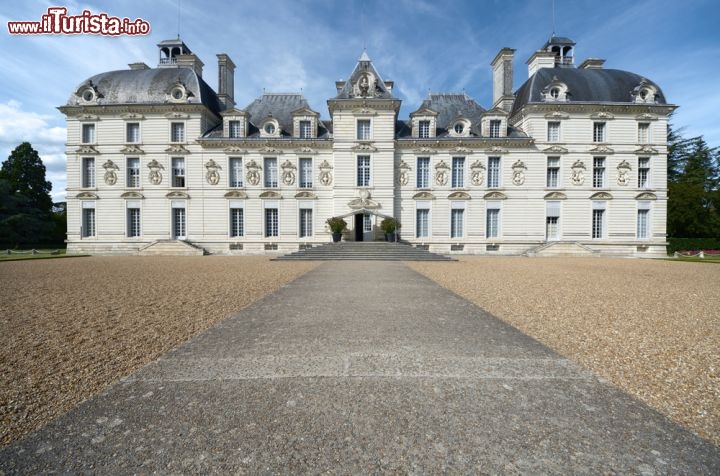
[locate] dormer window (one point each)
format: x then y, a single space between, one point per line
270 128
234 129
461 128
88 95
556 91
645 92
495 128
305 129
178 93
424 129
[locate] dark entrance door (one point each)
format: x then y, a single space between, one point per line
358 227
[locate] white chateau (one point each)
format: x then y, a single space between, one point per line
574 161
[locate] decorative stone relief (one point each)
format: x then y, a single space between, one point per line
155 176
477 173
366 86
325 176
646 149
86 196
555 196
177 194
363 201
288 172
578 173
87 150
403 177
110 172
177 149
495 196
441 173
623 173
646 196
459 196
601 149
235 194
423 196
212 175
253 172
131 149
519 169
601 196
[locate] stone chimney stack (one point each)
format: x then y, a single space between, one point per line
190 61
541 59
226 80
502 69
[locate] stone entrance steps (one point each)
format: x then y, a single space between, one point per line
364 251
171 248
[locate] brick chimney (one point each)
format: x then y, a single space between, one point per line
502 70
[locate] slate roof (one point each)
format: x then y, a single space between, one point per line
149 86
451 105
585 86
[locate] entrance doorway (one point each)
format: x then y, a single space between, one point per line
363 227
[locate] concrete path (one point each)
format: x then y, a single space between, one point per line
361 368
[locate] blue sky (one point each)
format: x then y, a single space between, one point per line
306 45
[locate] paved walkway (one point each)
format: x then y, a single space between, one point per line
362 368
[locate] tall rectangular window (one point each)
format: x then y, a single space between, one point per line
599 132
423 172
234 129
88 222
643 223
598 172
422 223
363 129
552 220
458 172
178 171
492 223
306 222
133 222
457 217
178 223
643 133
495 128
598 220
237 222
133 172
644 172
177 132
235 174
88 172
493 179
363 171
88 133
271 222
553 131
424 129
271 172
306 173
553 172
132 132
306 130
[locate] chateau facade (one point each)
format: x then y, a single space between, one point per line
574 161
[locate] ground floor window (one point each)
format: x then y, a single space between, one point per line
237 225
492 223
178 223
306 218
643 222
271 222
457 217
133 222
422 223
88 222
598 223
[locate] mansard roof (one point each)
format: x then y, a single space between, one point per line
279 106
592 85
147 86
450 106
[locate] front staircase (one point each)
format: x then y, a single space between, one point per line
171 248
364 251
561 248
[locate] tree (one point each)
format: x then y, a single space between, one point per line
25 203
693 188
25 173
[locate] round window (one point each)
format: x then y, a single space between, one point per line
177 93
644 94
459 128
88 95
270 128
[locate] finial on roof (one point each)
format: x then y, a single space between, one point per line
364 56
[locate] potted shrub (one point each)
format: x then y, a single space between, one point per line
390 226
337 226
